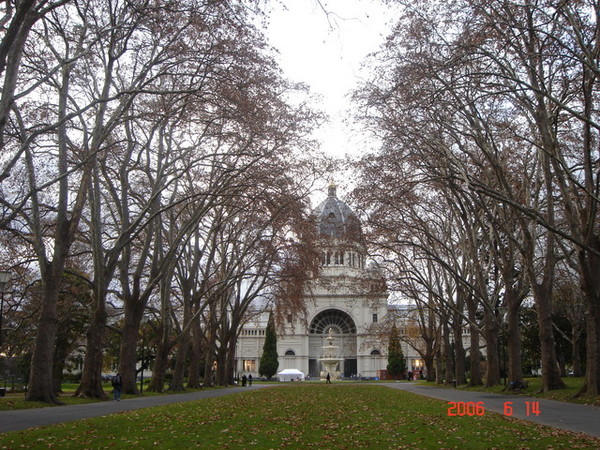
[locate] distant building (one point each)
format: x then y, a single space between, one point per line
348 297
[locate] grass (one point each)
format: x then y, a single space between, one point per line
17 400
302 415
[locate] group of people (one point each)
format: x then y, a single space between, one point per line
247 380
414 375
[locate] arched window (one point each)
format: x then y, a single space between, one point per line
375 352
290 353
340 321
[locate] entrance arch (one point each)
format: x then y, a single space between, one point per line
344 333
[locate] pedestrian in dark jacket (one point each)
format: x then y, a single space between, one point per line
117 383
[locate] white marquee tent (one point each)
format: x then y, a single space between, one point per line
291 375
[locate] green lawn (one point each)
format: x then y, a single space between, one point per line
301 415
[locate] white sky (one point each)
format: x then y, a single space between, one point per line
326 53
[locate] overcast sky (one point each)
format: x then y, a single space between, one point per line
326 52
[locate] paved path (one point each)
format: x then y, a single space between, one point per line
22 419
567 416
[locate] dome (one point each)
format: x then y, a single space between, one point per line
335 219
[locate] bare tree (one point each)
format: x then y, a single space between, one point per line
18 18
491 84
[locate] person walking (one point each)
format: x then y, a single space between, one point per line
328 379
250 380
117 383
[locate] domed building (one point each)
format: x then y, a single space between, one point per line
345 301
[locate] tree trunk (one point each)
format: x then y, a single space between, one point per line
589 263
492 373
209 359
180 364
60 356
227 355
515 372
447 355
91 377
439 374
231 358
577 367
41 387
196 356
183 349
550 372
576 354
590 268
429 368
222 365
157 383
459 352
592 371
210 355
209 376
474 354
225 365
134 311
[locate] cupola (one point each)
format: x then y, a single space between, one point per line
335 219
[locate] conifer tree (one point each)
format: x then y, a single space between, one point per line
396 364
268 361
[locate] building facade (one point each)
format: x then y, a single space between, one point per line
348 297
